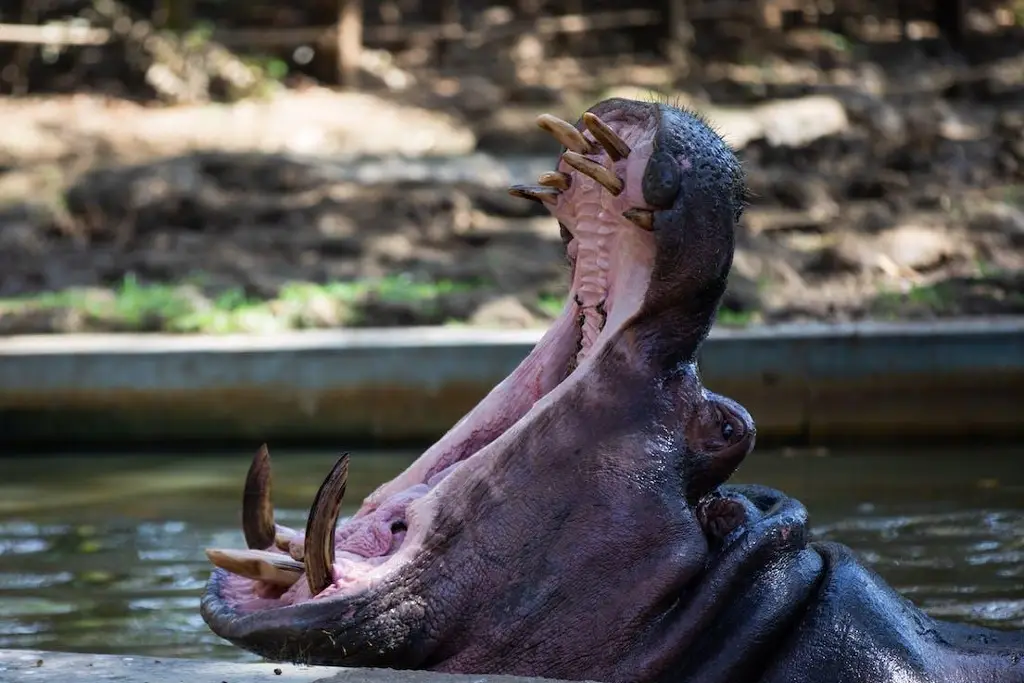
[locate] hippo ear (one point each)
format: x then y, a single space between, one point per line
719 436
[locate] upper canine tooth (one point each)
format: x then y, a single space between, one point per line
641 217
261 565
257 509
323 517
609 139
565 133
557 179
595 170
538 193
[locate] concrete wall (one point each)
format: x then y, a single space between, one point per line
801 383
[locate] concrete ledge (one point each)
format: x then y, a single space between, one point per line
61 667
808 383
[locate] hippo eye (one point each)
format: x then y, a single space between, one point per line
729 428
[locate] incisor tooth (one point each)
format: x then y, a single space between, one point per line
565 133
556 179
609 180
260 565
642 218
538 193
609 139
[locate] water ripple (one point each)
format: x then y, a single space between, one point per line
126 577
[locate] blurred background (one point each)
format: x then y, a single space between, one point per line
209 165
203 167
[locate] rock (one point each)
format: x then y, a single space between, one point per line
512 130
309 121
40 321
812 195
882 119
878 184
504 312
783 123
534 95
761 220
835 259
476 97
21 238
742 294
322 311
998 217
796 123
917 247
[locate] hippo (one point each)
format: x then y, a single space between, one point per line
578 522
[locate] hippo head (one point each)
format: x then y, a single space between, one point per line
554 527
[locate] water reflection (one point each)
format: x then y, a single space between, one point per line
106 554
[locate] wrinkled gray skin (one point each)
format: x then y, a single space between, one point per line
601 544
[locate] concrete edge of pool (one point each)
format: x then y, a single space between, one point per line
810 383
42 667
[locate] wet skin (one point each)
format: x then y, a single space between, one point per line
575 524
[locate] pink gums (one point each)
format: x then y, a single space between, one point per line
609 250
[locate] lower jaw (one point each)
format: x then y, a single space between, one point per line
550 371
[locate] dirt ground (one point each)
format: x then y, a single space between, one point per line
888 184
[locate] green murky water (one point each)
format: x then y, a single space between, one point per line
105 554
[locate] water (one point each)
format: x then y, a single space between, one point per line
105 554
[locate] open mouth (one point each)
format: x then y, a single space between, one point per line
596 193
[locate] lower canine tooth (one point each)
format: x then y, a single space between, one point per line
260 565
595 170
323 517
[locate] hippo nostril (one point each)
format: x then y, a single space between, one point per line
398 527
661 180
